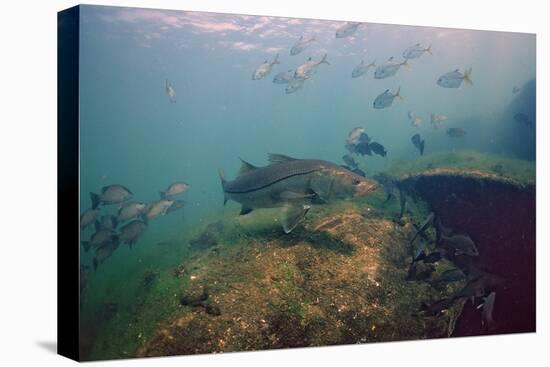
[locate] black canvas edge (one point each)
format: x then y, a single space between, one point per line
68 269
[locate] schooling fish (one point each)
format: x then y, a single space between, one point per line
100 237
389 68
104 252
309 67
355 135
170 92
301 45
283 77
385 99
131 232
108 222
418 142
461 243
378 148
294 85
350 161
362 69
265 68
437 120
292 184
416 51
154 209
174 189
453 79
113 194
414 120
456 132
347 29
130 210
178 204
88 217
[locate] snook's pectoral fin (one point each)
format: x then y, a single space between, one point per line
322 187
293 215
245 210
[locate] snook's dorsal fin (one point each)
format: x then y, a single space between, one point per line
246 167
279 158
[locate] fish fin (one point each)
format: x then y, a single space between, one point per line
245 210
429 50
223 181
95 200
322 188
279 158
293 215
276 60
422 147
468 76
86 245
324 60
246 167
309 58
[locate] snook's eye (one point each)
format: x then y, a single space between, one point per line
355 182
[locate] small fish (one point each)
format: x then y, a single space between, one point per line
462 243
414 52
113 194
104 252
309 67
418 142
456 132
362 69
454 79
265 68
130 210
170 92
347 29
487 311
178 204
131 232
437 307
109 222
88 217
434 256
378 148
100 237
301 45
389 68
283 77
174 189
355 135
437 120
350 161
294 85
414 120
363 148
523 119
154 209
515 89
385 99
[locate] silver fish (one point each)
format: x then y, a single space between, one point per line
385 99
294 85
347 29
389 68
293 184
309 67
88 217
454 79
130 210
283 77
265 68
113 194
301 45
170 92
178 204
362 69
174 189
416 51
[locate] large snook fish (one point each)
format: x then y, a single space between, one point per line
293 184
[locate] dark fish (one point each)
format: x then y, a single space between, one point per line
479 286
462 244
387 183
436 308
363 148
88 217
433 257
194 299
292 184
418 142
523 119
456 132
131 232
100 237
487 311
385 99
113 194
350 161
104 252
378 148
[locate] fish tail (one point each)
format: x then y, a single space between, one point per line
468 76
95 200
324 60
223 181
429 50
